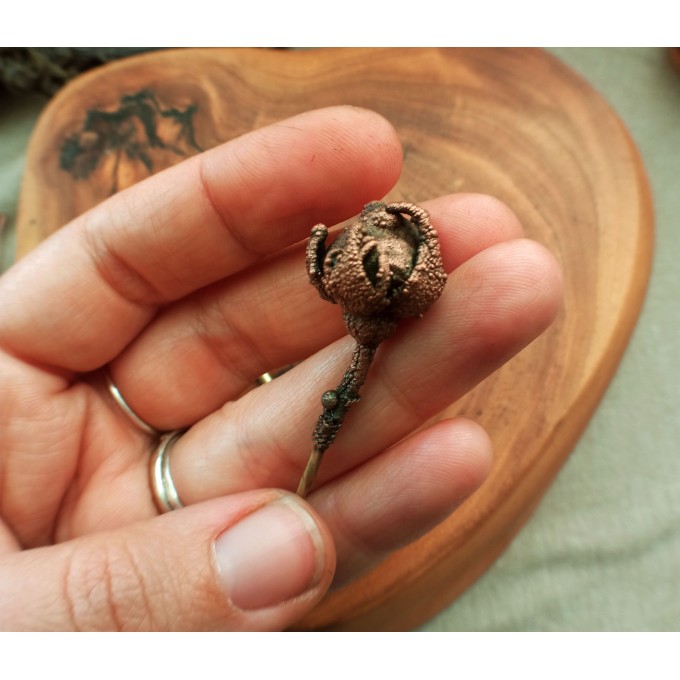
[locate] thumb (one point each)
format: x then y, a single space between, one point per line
253 561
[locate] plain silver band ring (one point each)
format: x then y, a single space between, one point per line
118 397
163 487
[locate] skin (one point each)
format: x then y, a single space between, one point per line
188 286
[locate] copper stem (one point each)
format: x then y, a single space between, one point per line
309 475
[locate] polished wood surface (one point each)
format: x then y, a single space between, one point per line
514 123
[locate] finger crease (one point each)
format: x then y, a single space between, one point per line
397 395
352 532
119 275
235 234
229 344
264 457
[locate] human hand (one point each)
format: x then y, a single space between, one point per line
187 287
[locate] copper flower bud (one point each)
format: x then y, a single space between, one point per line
383 267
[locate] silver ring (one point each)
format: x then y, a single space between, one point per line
163 487
118 397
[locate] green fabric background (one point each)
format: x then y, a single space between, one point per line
602 552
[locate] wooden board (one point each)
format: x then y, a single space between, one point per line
514 123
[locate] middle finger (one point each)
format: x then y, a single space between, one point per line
209 348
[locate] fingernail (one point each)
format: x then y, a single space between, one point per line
270 556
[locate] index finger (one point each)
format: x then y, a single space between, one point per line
78 300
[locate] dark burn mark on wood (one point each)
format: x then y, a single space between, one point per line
132 133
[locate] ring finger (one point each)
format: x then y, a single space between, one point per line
263 439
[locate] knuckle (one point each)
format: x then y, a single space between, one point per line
104 589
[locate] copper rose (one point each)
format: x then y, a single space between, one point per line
385 266
381 268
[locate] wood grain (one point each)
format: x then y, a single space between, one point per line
514 123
